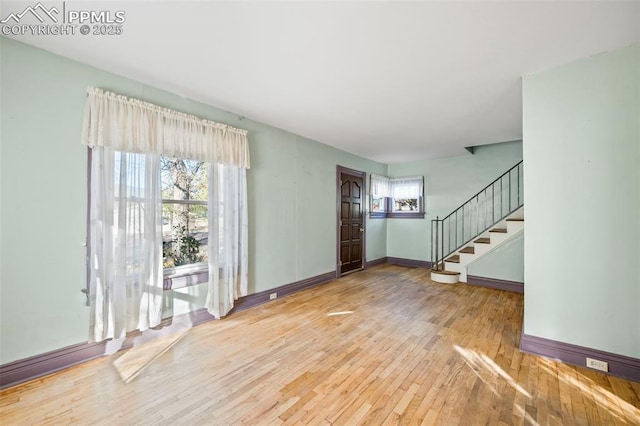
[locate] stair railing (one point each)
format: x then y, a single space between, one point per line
489 206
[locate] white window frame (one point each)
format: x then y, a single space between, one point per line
389 200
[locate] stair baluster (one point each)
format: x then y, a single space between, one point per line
466 212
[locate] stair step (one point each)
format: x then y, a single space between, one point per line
453 259
515 219
483 241
443 272
445 277
499 230
469 250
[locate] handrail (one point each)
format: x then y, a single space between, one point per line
483 189
476 215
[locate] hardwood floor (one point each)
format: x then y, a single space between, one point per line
382 346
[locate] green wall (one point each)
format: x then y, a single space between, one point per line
582 167
291 184
506 262
449 182
291 187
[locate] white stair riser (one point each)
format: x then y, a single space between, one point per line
444 279
498 237
453 267
519 214
514 226
466 258
481 248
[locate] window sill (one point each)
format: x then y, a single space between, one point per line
405 215
397 215
175 278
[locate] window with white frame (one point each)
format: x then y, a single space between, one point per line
397 197
407 194
185 226
380 191
167 191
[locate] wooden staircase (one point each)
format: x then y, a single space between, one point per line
455 265
490 217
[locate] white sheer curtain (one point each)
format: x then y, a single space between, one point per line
407 187
132 125
229 230
127 138
380 186
125 247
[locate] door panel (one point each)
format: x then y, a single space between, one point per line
355 232
356 189
345 255
344 234
351 222
346 186
355 211
344 214
355 252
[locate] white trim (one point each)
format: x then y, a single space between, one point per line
185 269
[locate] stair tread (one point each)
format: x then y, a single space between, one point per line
483 240
444 272
499 230
515 219
453 259
468 250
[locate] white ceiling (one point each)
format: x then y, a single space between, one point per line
388 81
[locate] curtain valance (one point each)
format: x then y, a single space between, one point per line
132 125
380 186
407 187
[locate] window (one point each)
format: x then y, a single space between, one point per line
150 212
380 191
183 205
378 204
407 195
405 204
397 197
184 188
185 228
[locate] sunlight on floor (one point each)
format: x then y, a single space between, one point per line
480 362
135 360
488 371
333 314
529 420
615 405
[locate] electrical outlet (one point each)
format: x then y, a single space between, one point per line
273 296
597 364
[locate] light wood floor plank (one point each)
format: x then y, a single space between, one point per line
382 346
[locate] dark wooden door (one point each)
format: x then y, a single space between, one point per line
351 225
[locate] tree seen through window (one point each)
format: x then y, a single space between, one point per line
184 211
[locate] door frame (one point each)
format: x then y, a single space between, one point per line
356 173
